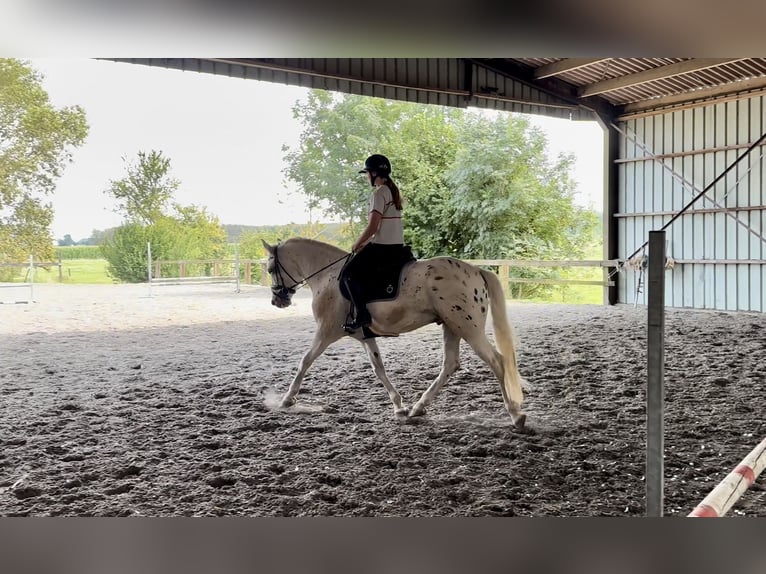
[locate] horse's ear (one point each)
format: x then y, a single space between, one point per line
267 247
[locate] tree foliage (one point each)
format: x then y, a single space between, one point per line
145 199
520 204
251 247
144 194
475 185
36 142
340 132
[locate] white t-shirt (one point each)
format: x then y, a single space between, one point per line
390 230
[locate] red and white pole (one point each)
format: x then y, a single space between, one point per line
729 490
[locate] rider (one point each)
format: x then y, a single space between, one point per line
382 239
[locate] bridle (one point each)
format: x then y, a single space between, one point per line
280 290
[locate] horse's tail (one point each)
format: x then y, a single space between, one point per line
505 337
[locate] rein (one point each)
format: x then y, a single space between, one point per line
285 292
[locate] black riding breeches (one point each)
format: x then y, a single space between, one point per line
361 268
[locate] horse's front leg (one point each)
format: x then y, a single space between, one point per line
373 352
322 340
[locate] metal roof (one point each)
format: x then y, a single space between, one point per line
633 85
577 88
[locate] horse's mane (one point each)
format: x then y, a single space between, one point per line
314 245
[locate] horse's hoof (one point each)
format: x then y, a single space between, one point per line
418 411
287 403
520 421
401 414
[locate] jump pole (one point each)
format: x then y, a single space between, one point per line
731 488
655 388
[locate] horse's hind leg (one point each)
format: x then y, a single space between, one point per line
481 345
319 344
373 352
449 366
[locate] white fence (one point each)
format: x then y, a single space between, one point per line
203 271
28 285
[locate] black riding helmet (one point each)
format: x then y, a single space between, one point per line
377 164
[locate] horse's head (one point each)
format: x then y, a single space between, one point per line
282 283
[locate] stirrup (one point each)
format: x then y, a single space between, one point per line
355 325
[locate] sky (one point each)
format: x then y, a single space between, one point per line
224 137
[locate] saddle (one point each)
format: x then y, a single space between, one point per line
379 280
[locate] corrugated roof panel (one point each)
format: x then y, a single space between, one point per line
444 81
726 73
614 68
682 83
437 81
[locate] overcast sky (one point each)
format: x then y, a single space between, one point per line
224 137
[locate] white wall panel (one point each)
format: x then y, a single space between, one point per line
701 143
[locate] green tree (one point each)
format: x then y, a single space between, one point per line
510 200
474 185
337 133
126 251
143 196
341 131
199 234
251 247
67 241
36 142
97 237
175 231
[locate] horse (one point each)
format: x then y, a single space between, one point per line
441 290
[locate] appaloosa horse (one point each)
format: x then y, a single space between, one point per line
441 290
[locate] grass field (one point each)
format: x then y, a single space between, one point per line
90 271
573 295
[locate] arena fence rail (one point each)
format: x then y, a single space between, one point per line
204 271
28 284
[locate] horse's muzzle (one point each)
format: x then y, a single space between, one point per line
280 303
281 297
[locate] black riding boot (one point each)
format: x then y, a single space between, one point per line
359 312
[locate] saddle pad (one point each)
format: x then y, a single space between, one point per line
381 280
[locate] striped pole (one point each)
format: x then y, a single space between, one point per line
728 491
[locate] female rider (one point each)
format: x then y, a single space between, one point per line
382 239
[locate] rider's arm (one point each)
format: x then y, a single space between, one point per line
373 224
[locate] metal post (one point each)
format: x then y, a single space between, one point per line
236 263
149 265
655 388
611 191
31 279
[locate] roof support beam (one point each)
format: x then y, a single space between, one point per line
677 69
563 66
704 96
553 86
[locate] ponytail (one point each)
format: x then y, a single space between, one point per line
395 193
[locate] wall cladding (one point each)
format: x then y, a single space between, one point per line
718 245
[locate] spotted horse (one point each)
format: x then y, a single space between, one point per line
441 290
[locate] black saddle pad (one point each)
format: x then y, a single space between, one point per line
380 280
